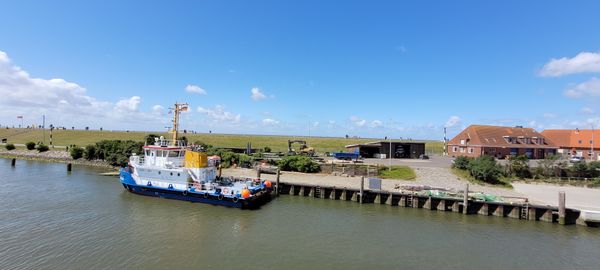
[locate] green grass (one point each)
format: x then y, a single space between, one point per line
464 174
276 143
398 172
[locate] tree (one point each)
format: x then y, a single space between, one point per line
30 145
89 152
76 152
299 164
150 139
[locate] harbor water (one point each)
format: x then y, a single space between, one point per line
54 219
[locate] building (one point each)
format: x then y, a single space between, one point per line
575 142
382 149
500 142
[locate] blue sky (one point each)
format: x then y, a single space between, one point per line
363 68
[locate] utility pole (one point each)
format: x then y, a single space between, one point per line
44 129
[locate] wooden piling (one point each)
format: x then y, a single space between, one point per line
69 167
362 188
562 212
277 183
13 162
466 199
220 171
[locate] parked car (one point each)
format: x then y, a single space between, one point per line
576 159
423 156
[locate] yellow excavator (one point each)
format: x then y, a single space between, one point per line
304 149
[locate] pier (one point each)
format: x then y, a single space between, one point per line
467 206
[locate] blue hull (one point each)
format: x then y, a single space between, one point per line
253 202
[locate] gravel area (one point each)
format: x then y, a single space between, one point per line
52 155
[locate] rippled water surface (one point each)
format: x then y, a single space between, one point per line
51 219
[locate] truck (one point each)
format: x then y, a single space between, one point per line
346 156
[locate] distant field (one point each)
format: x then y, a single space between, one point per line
276 143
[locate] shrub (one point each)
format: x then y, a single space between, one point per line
267 149
116 152
485 169
594 168
150 139
89 152
42 148
30 145
76 152
9 146
299 164
519 167
461 163
580 169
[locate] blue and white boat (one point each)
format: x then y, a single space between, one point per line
173 170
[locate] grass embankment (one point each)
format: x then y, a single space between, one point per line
464 174
276 143
398 172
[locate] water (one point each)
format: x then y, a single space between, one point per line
51 219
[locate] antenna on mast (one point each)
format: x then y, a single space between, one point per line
178 108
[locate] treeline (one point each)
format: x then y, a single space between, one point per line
486 168
114 152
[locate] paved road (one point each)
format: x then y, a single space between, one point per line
576 197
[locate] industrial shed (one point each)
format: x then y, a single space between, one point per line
381 149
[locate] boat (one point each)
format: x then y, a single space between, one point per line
175 170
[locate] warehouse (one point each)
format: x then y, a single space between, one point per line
382 149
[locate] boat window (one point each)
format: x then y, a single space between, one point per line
173 153
147 152
159 153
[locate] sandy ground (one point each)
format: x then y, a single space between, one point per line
576 197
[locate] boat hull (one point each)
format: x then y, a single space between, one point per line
254 202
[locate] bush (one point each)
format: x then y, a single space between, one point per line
580 169
89 152
299 164
42 148
9 146
116 152
461 163
76 152
519 167
485 169
150 139
30 145
267 149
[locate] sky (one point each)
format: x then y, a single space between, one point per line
399 69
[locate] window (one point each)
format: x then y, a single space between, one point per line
470 150
454 149
173 153
462 141
462 149
579 141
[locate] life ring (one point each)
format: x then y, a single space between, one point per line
235 199
205 195
220 197
185 192
149 184
225 190
170 186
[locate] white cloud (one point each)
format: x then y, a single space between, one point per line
190 88
587 110
257 94
376 124
582 62
270 122
550 115
65 103
158 108
452 121
589 88
131 104
218 114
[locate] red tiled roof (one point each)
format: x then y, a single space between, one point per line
573 138
497 136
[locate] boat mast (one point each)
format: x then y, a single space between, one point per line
179 107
